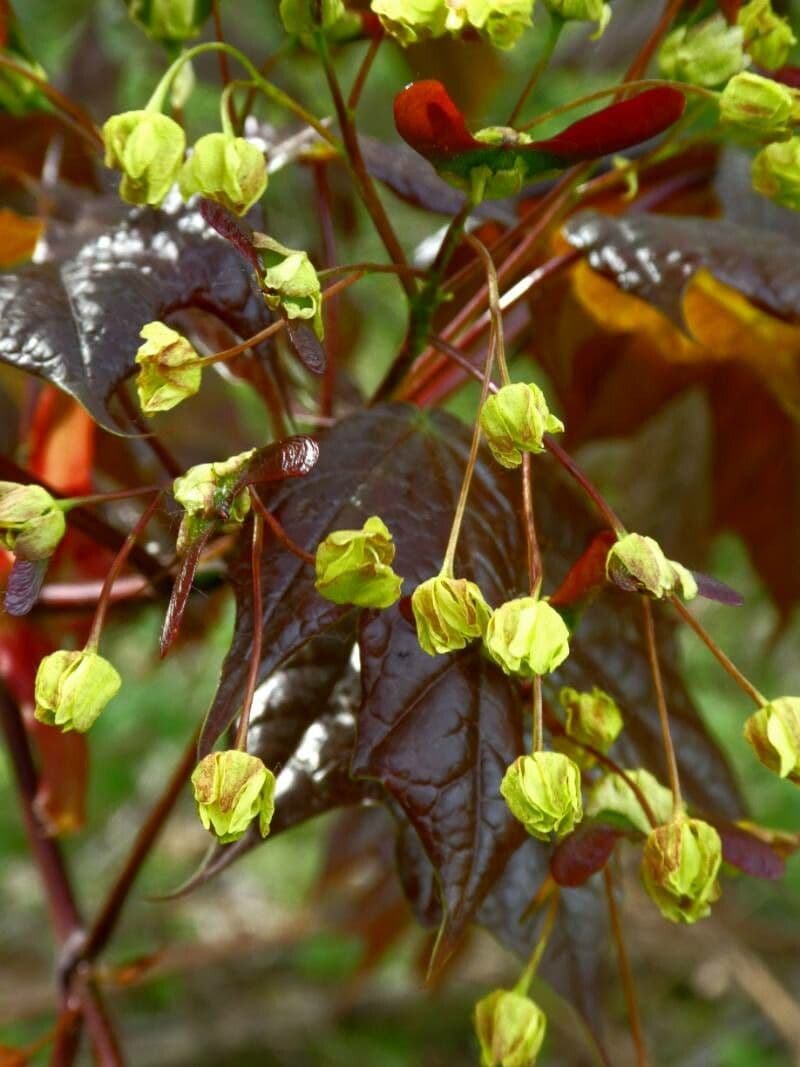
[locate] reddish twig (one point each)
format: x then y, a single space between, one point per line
108 916
628 982
258 629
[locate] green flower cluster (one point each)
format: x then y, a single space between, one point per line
501 21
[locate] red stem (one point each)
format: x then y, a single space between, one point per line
258 629
628 982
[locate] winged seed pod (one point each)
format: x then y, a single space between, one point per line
32 521
707 53
226 169
168 369
449 613
768 36
543 791
148 148
232 789
527 637
72 688
776 173
354 566
515 420
759 105
637 564
584 11
680 864
591 719
773 733
510 1029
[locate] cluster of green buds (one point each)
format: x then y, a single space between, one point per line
510 1028
227 169
290 282
301 20
449 613
680 864
355 566
543 791
705 53
501 21
583 11
590 719
515 421
148 148
169 368
611 800
527 637
776 172
32 521
638 564
170 20
72 688
232 789
773 733
759 105
209 497
768 37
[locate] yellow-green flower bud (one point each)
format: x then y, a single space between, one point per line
170 20
502 21
31 521
758 105
168 369
680 864
206 495
774 735
72 688
515 420
354 566
526 637
297 16
543 791
290 281
510 1029
638 564
449 613
231 790
227 169
776 172
583 10
768 37
611 800
409 21
148 148
591 719
707 53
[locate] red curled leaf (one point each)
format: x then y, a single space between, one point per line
429 120
587 574
582 854
617 126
